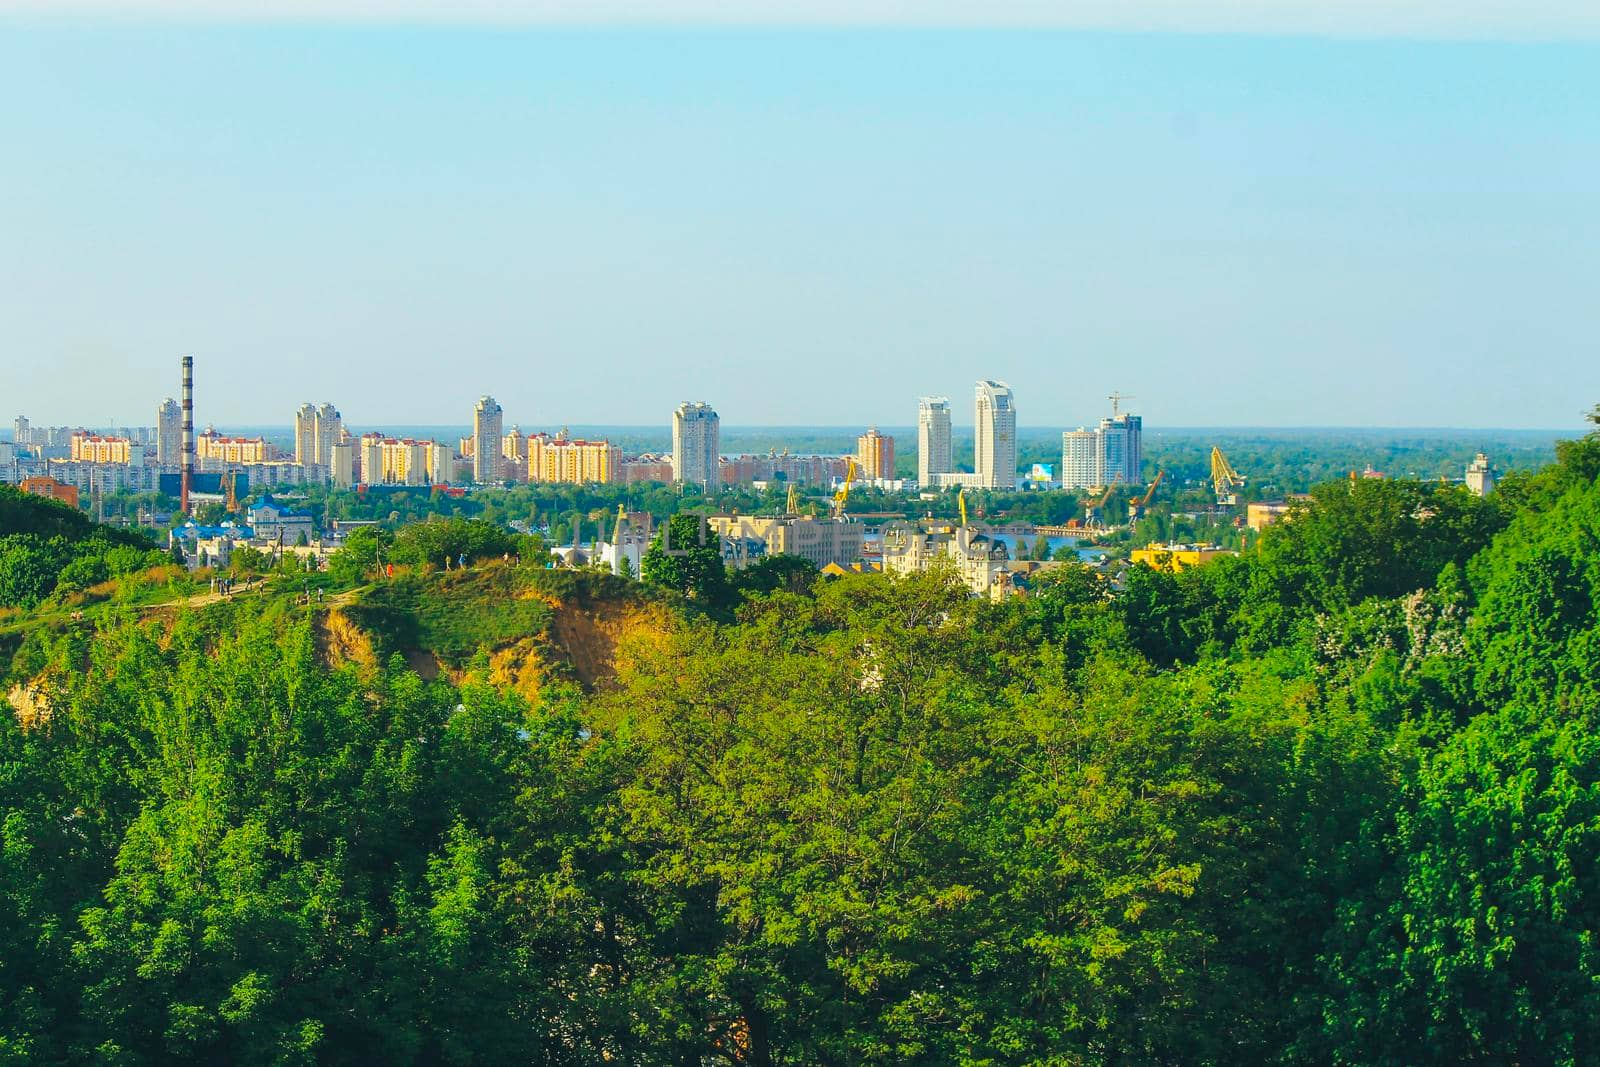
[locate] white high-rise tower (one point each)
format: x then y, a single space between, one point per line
994 446
933 439
305 434
169 434
696 444
326 427
486 433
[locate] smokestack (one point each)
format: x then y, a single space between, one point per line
188 433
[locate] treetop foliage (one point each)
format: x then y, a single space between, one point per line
1331 802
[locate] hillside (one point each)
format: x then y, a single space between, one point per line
529 625
1295 806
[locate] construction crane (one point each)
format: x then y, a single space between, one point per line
1116 402
841 496
1224 479
1137 504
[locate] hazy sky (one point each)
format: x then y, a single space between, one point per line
802 226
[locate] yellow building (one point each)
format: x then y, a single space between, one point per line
1176 557
92 448
562 459
875 455
1264 513
400 461
213 445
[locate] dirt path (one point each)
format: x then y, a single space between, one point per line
251 591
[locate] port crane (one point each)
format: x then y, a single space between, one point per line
1091 510
1224 479
841 496
1136 506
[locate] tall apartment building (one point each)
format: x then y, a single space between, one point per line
1110 454
21 433
169 434
696 444
1082 459
316 431
305 434
1124 449
514 455
933 439
994 446
327 428
487 424
342 463
875 455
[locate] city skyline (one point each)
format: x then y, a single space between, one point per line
1302 232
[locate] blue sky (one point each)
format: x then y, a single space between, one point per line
801 226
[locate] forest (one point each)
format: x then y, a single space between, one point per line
1333 801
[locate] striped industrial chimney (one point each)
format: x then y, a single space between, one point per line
188 433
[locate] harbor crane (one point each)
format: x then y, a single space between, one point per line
1091 510
841 496
1136 506
1224 479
